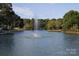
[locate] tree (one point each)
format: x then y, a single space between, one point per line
8 16
59 23
70 19
42 23
51 25
29 24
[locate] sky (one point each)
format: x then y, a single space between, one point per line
43 10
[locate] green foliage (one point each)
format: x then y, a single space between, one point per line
51 24
55 24
59 23
10 20
42 24
29 24
8 17
70 18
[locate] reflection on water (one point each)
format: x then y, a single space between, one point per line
6 44
72 44
49 43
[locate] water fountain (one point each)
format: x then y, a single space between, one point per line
35 34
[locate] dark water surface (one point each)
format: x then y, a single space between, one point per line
45 44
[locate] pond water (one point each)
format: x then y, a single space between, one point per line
45 44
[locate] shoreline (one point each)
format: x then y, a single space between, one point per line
66 32
54 30
71 32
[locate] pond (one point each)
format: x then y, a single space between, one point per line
45 44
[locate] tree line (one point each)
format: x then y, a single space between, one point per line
10 20
69 22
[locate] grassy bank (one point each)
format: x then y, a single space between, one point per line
54 30
66 32
71 32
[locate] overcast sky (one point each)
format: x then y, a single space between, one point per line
43 10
